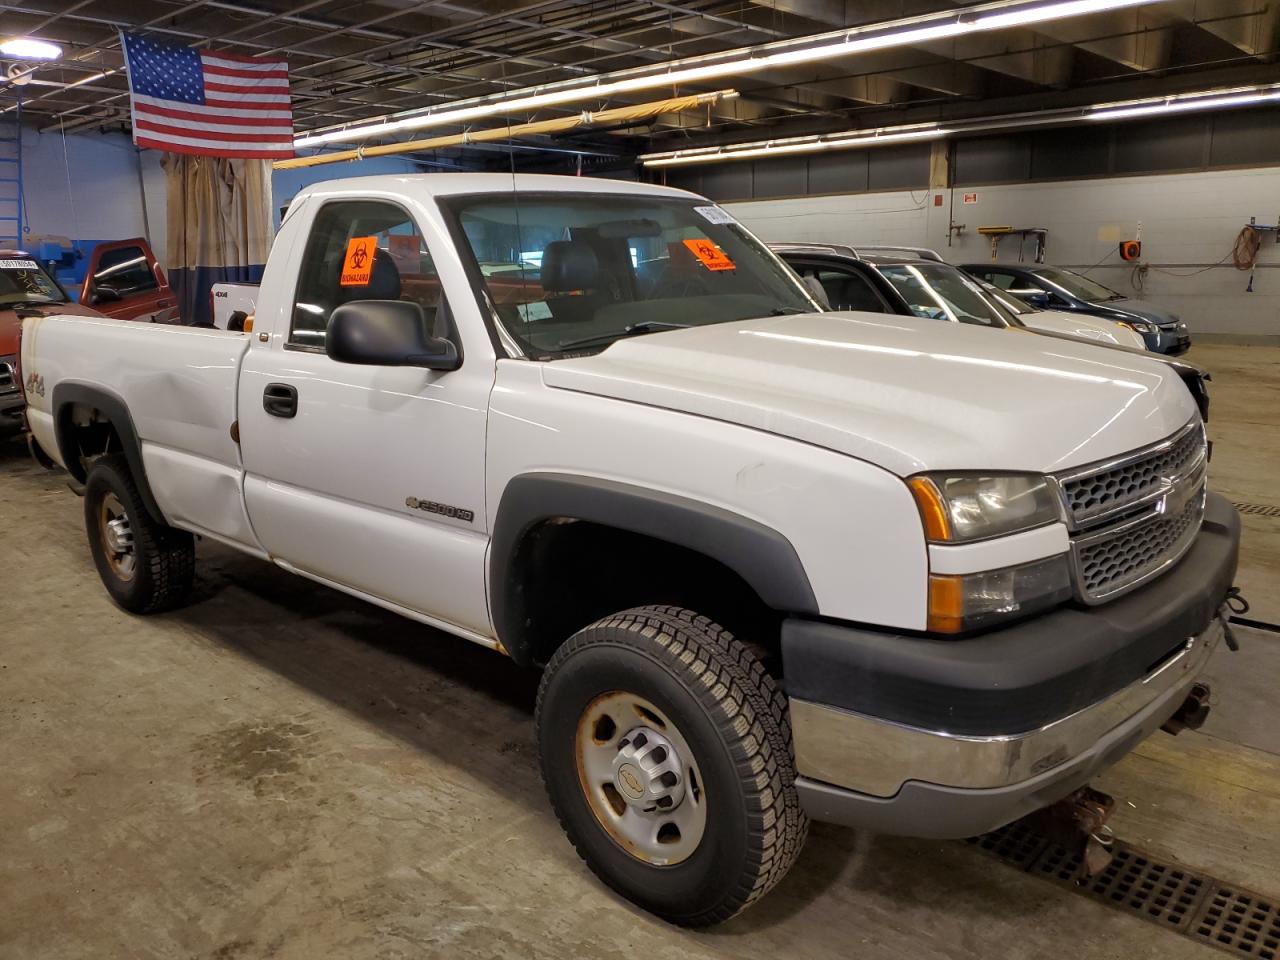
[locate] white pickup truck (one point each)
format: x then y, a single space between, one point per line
777 564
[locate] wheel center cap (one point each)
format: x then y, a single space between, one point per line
629 782
648 772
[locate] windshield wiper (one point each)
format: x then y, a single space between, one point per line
786 311
634 330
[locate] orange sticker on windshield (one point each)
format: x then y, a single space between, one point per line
709 255
357 265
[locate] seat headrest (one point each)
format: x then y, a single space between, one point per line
384 279
569 265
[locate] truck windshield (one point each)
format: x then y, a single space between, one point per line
24 281
942 292
571 272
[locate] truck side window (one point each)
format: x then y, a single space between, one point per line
124 271
394 265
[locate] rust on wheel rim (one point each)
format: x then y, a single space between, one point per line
117 538
640 778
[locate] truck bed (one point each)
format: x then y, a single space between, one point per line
178 385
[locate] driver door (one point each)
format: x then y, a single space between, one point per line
369 478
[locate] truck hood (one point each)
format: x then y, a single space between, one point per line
11 324
904 393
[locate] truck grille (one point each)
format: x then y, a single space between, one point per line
1134 517
1100 492
1116 559
8 379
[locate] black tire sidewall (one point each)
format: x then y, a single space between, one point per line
105 477
716 872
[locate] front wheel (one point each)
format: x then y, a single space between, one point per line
666 751
145 565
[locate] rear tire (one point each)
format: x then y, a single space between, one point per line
146 566
639 687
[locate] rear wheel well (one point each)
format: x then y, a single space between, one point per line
574 572
84 434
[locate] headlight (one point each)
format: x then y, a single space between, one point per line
967 601
960 508
1140 325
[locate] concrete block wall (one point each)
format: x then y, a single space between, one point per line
1188 221
88 188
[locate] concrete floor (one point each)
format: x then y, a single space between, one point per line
278 771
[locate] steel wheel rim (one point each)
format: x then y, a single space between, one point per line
116 536
630 758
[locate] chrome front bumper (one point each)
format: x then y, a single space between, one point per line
854 768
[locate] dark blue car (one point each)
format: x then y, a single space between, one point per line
1053 288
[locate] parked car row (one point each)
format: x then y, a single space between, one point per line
1045 299
775 562
925 287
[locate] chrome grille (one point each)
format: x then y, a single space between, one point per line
1104 490
8 378
1118 559
1132 518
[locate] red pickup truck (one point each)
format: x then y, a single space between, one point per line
123 281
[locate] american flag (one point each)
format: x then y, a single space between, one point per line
214 104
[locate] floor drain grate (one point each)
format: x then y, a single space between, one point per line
1258 509
1179 900
1164 893
1240 922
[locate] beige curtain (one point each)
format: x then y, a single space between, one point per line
219 225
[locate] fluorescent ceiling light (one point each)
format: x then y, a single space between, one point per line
1204 100
29 48
1181 104
867 138
838 43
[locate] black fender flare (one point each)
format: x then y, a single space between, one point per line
116 411
762 556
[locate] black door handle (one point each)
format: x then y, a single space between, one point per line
280 400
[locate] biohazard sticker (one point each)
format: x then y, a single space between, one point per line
709 255
357 265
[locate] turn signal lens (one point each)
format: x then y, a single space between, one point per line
933 511
965 602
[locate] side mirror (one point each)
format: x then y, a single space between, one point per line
386 333
104 295
1038 299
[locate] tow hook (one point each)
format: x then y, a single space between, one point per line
1233 603
1079 823
1193 712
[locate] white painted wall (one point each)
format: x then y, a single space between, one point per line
1188 220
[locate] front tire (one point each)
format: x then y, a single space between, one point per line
146 566
666 752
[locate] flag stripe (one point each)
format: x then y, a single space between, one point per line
203 149
261 95
245 119
265 77
215 133
271 104
208 110
211 103
237 58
